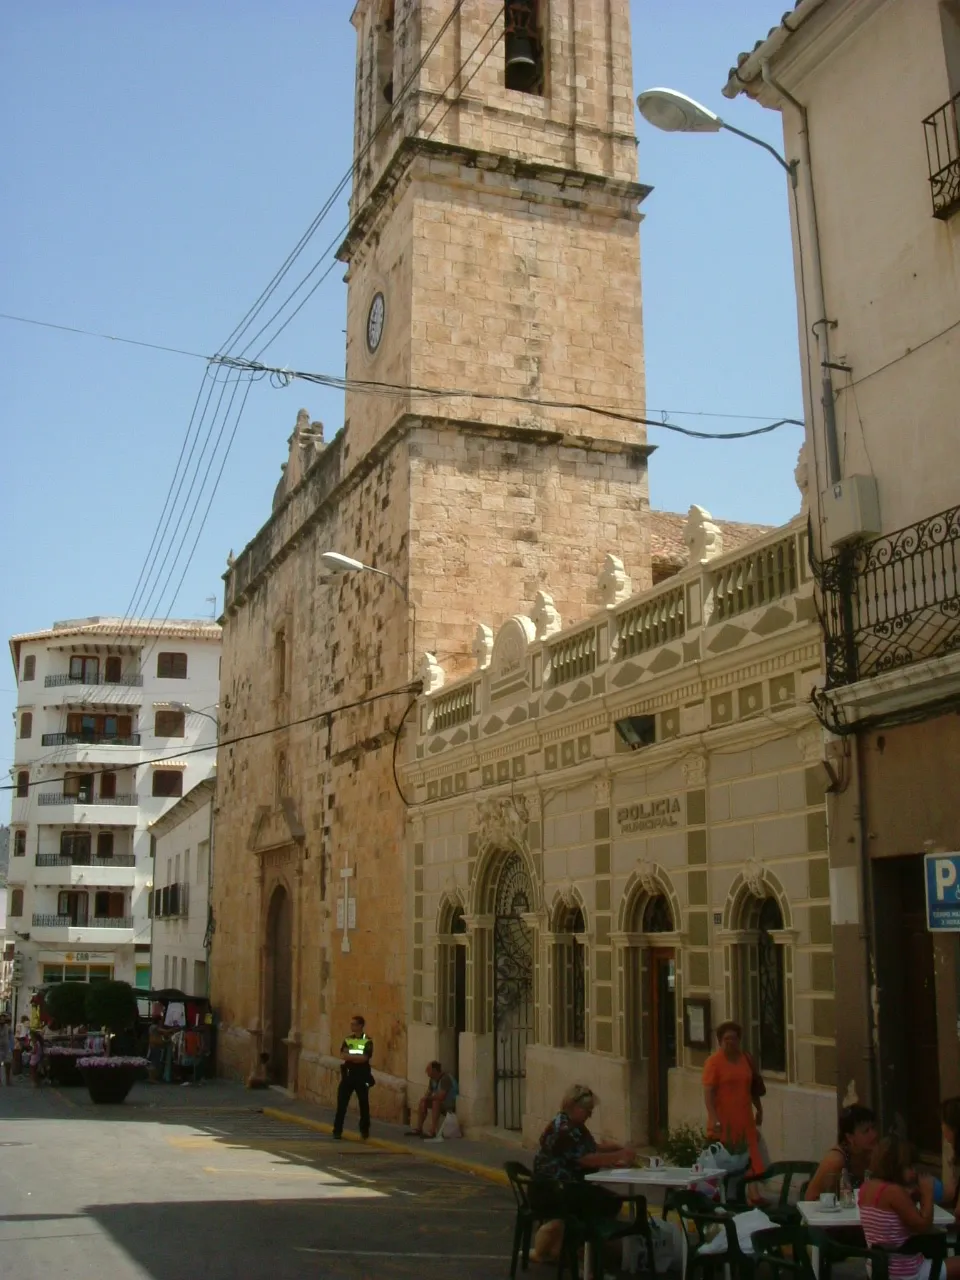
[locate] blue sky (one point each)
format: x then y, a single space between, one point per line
160 163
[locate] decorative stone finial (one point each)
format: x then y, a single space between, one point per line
482 648
801 474
431 673
613 582
702 537
231 559
544 616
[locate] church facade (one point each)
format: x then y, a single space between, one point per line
493 260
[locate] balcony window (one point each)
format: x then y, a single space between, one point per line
97 728
85 670
16 902
23 784
26 724
108 786
105 844
167 782
72 906
19 844
29 667
171 666
75 845
112 670
79 787
169 724
108 906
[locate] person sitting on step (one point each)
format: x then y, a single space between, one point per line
439 1100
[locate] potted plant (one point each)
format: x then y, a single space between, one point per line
65 1005
110 1077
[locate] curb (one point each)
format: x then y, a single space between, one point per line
484 1171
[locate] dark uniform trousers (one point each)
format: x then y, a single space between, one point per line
353 1081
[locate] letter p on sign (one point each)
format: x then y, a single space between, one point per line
945 876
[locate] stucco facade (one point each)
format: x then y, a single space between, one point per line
480 236
108 735
180 936
869 92
569 893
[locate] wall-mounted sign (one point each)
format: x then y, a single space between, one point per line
696 1023
942 875
648 815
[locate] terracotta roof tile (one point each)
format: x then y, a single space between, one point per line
783 30
667 548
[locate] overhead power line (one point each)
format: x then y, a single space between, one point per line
283 376
414 687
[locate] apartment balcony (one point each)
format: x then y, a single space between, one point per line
85 871
126 681
119 810
109 749
942 134
63 930
893 602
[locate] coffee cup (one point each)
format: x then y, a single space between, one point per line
696 1168
656 1162
828 1200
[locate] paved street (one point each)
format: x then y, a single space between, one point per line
192 1189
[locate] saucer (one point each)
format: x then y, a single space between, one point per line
830 1208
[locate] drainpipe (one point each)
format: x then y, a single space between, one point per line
821 326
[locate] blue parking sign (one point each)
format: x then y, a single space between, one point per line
942 874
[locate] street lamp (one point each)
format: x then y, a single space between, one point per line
674 112
338 563
186 708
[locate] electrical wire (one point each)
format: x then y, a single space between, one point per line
286 376
415 687
359 385
240 329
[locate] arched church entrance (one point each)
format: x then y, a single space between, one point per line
279 981
513 989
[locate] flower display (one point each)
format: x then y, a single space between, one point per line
120 1061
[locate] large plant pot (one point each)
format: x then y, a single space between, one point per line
110 1085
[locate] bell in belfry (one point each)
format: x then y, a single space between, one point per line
522 46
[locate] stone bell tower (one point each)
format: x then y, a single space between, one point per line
494 288
494 256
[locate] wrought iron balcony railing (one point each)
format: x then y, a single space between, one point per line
942 133
82 797
129 680
41 921
893 601
84 860
89 740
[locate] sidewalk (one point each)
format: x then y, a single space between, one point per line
483 1157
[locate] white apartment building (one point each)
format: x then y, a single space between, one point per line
182 843
115 721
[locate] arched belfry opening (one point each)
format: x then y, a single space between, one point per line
523 46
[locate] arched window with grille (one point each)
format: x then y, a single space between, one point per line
570 969
770 989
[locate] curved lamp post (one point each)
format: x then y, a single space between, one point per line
674 112
338 563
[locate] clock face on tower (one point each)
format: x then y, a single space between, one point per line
375 320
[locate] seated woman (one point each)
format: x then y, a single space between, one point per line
568 1152
950 1128
856 1143
889 1215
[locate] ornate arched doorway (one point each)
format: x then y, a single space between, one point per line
279 981
513 989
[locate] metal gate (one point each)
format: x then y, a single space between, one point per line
513 990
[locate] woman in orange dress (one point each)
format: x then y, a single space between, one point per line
730 1096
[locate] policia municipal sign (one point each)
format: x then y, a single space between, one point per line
942 876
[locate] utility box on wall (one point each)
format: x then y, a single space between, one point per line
851 508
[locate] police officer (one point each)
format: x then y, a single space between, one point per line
355 1077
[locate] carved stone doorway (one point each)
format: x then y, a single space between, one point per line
278 985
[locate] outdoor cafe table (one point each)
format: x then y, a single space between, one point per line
670 1177
815 1215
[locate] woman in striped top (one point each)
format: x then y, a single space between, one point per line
889 1215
